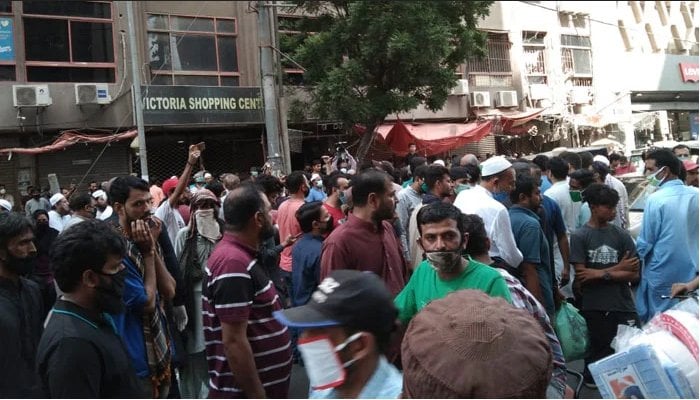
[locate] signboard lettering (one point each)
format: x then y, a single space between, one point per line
7 40
689 72
175 105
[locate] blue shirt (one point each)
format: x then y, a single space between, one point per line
130 323
535 249
544 183
306 268
315 194
667 245
386 383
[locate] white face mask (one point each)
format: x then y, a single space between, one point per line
207 226
323 366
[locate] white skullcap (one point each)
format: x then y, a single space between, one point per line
56 198
99 194
5 204
602 159
494 165
439 162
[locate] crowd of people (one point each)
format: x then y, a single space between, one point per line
422 279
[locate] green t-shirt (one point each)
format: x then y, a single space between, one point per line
425 286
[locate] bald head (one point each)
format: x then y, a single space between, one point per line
469 159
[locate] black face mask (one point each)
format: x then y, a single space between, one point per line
110 295
42 227
21 266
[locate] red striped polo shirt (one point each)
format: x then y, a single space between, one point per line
238 289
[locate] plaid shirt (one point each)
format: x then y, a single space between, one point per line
523 299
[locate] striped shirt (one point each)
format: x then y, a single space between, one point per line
238 289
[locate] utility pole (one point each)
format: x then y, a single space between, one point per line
269 92
136 90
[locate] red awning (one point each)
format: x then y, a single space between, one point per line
71 138
512 122
431 138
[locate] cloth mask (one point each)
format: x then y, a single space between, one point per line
461 187
654 180
424 188
319 183
323 366
444 261
576 196
207 226
110 296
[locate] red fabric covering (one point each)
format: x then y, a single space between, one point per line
512 121
70 138
431 138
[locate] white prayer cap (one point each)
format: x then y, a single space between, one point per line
494 165
56 198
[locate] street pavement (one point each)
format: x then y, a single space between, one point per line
299 387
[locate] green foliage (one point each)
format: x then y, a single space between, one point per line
369 59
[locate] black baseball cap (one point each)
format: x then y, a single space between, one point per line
349 298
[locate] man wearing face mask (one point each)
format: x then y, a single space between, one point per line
316 192
80 353
20 309
498 177
36 202
336 183
667 244
315 222
193 246
347 325
248 351
43 273
443 239
367 241
149 286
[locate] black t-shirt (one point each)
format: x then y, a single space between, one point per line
21 310
81 356
600 248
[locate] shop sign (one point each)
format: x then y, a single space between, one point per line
181 105
7 40
689 72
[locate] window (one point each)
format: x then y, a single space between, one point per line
534 57
7 45
71 41
576 59
494 69
192 51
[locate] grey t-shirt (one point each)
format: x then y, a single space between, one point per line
600 248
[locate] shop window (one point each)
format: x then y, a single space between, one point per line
192 51
494 69
576 59
534 57
70 41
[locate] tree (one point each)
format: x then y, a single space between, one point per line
365 60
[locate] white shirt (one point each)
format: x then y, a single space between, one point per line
56 221
622 216
480 201
74 220
570 210
172 220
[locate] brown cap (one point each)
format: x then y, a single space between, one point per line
470 345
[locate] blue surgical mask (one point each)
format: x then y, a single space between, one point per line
424 188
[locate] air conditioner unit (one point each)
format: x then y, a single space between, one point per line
480 99
539 91
507 98
92 93
461 88
580 95
31 95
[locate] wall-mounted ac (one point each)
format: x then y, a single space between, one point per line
507 98
461 88
539 91
580 95
31 95
480 99
92 93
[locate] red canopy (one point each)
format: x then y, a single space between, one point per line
70 138
431 138
510 121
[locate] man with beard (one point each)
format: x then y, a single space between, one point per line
248 351
80 353
20 309
104 210
443 239
36 202
367 241
43 273
60 212
298 187
83 206
148 287
535 270
193 246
